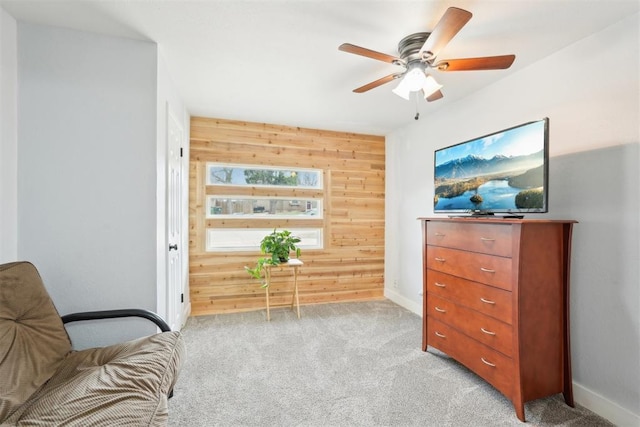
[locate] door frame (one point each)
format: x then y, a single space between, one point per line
178 318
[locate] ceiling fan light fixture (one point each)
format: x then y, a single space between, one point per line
414 80
402 90
430 86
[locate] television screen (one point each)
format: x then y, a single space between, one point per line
503 172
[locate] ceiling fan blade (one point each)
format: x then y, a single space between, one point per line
483 63
451 22
435 96
379 82
350 48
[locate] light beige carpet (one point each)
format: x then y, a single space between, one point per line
349 364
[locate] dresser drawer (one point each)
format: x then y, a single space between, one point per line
486 299
494 239
488 269
495 368
489 331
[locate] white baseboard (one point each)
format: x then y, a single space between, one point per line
403 301
591 400
604 407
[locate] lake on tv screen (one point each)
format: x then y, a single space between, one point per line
495 194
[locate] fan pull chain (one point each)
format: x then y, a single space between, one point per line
417 113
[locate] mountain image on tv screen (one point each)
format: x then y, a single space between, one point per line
501 172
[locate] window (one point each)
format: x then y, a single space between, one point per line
262 207
262 176
294 194
245 239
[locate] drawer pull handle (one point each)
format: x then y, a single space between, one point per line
440 285
487 239
487 270
440 259
487 301
487 363
439 234
487 332
440 335
441 310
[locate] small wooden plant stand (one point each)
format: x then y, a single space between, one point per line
294 264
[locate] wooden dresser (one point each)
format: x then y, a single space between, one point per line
496 298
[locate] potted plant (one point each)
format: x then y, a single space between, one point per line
278 245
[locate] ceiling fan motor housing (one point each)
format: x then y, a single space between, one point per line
409 47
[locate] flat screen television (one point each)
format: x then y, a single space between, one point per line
505 172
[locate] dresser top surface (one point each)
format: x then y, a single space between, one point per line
497 220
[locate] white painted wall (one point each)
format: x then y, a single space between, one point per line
91 108
590 92
87 173
8 138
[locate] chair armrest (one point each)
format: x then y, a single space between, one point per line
111 314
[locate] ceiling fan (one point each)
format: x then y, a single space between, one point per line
418 52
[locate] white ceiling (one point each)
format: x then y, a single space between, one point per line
278 61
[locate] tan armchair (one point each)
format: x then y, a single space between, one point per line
44 382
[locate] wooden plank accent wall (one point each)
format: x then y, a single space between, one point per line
350 267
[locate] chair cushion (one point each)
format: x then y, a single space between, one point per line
124 384
33 340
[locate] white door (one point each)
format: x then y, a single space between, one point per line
175 285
